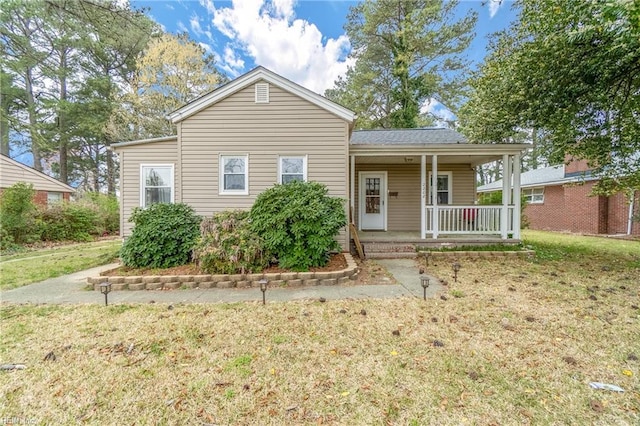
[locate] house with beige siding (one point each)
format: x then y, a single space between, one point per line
262 129
48 190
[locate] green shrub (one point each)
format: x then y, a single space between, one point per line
18 215
228 246
298 222
68 221
163 236
107 209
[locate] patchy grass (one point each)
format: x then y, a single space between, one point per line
486 247
37 265
518 345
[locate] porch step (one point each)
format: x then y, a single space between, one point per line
389 250
400 255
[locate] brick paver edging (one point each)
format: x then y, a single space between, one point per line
285 279
439 254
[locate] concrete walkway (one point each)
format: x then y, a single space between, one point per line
73 289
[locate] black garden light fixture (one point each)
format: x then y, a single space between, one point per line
263 288
105 288
424 282
456 267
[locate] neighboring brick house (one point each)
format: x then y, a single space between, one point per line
48 189
558 199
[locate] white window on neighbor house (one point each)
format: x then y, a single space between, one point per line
234 174
262 93
444 189
292 168
533 195
156 184
54 198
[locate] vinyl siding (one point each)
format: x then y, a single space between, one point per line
11 173
403 211
131 157
287 125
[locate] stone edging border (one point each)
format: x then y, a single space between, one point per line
520 253
172 282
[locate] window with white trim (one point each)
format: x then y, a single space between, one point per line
234 174
533 195
444 188
54 198
156 184
292 168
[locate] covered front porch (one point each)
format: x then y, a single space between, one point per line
419 187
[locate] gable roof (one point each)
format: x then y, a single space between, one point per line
253 76
422 136
547 176
13 171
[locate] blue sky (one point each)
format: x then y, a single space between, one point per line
302 40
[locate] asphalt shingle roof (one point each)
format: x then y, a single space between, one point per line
537 177
422 136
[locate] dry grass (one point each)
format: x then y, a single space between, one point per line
516 342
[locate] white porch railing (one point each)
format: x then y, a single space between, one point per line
473 219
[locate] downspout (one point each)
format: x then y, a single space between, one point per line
630 219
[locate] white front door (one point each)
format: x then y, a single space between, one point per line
373 200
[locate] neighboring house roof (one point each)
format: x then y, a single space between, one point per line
553 175
428 135
253 76
13 171
144 141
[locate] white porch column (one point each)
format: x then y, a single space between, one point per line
423 198
506 192
434 194
516 197
352 187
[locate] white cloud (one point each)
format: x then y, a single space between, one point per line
182 27
231 62
441 113
194 23
494 6
275 39
208 4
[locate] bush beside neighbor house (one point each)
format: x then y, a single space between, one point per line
24 221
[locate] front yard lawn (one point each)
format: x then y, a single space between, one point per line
514 341
37 265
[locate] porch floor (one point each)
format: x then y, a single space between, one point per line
414 237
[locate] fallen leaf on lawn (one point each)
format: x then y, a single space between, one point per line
345 393
627 373
394 353
272 371
596 405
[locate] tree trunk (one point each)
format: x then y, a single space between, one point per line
33 132
64 136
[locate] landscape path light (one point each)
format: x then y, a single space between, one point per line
424 282
456 267
105 288
263 288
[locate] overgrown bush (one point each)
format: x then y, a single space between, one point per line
163 236
227 245
298 222
107 210
18 215
68 221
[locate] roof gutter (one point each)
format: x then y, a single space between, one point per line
631 208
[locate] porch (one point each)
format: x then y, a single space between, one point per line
419 186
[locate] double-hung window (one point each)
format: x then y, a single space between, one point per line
157 184
444 188
533 195
234 174
292 168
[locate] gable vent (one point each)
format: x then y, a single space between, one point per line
262 93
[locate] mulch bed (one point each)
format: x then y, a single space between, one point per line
337 262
